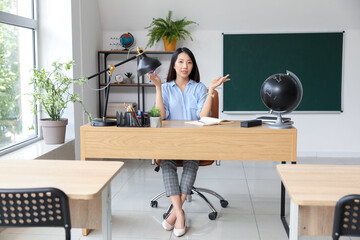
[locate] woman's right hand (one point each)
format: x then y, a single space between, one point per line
154 78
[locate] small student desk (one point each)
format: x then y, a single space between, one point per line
314 191
177 140
87 185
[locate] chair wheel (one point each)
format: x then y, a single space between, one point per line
224 203
164 215
154 204
212 215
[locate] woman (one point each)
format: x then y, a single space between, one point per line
182 97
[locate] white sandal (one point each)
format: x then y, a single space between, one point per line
181 231
166 225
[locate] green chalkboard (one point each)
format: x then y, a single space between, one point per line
316 58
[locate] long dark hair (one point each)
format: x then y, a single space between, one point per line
194 75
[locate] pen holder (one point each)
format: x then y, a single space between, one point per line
130 119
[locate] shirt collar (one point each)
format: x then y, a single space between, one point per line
172 83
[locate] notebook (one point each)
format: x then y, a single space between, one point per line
208 121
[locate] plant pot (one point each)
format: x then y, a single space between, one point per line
54 131
169 46
155 122
128 80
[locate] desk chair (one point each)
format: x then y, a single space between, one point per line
347 217
195 190
35 207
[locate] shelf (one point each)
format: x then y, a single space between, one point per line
135 52
141 86
129 84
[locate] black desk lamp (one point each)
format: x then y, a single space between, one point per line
145 65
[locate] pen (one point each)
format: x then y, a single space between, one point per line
139 118
133 115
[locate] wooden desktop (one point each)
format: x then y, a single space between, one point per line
177 140
87 185
314 191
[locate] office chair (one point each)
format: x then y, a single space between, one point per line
347 217
35 207
195 190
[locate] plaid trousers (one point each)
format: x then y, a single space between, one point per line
170 176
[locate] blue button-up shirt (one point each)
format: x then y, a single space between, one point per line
185 105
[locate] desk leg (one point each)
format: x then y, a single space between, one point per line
282 209
282 205
294 221
106 213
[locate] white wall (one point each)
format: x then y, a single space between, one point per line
78 29
87 40
55 42
318 134
71 30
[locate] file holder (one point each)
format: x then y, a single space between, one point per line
127 120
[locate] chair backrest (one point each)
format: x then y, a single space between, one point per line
35 207
214 114
215 105
347 217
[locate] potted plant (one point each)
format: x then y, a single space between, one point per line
155 117
168 30
129 76
51 92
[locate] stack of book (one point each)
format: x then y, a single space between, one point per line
268 119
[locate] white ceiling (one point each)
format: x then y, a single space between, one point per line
230 15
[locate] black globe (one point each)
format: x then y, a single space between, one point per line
281 92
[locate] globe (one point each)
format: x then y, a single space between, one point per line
126 40
281 93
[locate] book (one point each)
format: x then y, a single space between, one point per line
208 121
268 119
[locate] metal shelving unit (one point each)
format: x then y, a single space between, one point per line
141 85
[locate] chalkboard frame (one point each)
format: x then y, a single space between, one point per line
316 58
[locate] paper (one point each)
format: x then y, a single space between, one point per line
208 121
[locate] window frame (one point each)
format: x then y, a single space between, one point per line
32 24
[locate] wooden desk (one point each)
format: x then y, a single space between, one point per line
314 191
177 140
87 185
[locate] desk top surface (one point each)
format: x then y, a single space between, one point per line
78 179
175 125
319 185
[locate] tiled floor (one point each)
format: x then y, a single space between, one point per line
252 189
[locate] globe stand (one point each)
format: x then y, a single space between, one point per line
279 124
282 92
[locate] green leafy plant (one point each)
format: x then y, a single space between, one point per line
160 28
51 90
155 112
128 74
10 93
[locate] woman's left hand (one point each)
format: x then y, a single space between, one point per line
217 82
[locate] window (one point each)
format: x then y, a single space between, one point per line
17 58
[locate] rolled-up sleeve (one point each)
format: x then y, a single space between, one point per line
201 96
165 96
